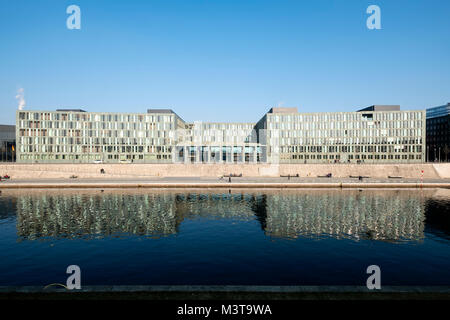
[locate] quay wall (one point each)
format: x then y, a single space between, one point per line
64 171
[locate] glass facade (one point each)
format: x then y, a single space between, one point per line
7 143
210 142
438 134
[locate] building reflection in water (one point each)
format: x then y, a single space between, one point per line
437 212
364 215
387 216
76 215
154 214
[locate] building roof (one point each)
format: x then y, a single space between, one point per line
71 110
440 111
7 127
164 111
283 110
160 111
379 107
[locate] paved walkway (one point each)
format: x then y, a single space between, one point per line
236 182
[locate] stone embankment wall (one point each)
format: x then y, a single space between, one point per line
58 171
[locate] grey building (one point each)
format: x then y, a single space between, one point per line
438 133
76 136
377 134
7 142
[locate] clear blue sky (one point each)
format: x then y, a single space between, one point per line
217 60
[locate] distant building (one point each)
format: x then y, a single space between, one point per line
377 134
7 142
438 133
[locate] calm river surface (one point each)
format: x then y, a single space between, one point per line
239 237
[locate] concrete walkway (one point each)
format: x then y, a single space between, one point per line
236 182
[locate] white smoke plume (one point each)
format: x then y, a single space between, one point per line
20 98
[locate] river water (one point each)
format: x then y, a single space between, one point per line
225 237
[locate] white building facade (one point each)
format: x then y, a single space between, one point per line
378 134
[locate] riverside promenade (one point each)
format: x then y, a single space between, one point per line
255 176
225 183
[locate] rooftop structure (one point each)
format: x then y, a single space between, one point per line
382 108
283 110
71 110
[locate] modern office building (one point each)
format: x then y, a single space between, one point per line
7 142
77 136
371 135
438 133
283 135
